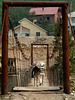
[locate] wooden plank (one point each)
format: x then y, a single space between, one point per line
35 3
51 88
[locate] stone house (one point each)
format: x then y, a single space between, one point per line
27 28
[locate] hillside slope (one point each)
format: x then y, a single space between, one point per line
19 13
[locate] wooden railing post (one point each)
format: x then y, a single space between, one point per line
4 86
65 50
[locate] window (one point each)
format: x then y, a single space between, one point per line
15 34
37 33
25 34
11 66
48 18
49 34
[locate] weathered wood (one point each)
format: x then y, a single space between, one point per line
35 3
65 50
36 88
4 87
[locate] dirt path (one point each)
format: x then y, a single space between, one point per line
37 96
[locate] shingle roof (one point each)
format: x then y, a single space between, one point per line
44 10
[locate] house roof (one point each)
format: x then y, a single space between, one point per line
31 23
44 10
19 26
72 14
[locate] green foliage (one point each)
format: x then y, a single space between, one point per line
45 24
58 45
71 55
59 58
18 13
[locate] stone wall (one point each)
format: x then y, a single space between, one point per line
40 53
23 66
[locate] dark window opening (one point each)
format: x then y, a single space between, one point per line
8 63
11 66
15 35
37 33
49 34
26 34
48 18
11 62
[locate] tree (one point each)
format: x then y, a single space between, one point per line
17 13
59 58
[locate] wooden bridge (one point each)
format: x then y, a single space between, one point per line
4 34
44 87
